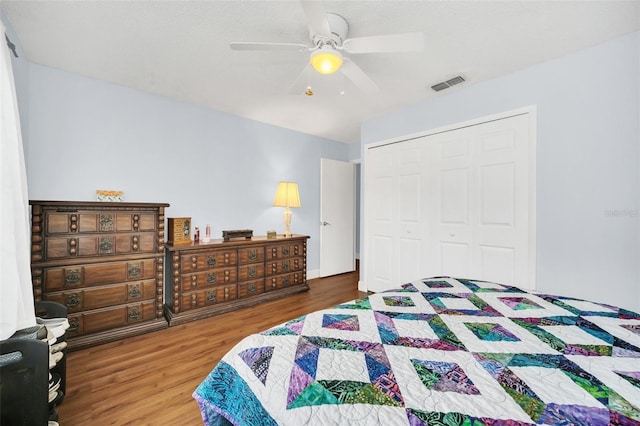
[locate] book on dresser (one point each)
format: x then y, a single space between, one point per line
104 261
206 279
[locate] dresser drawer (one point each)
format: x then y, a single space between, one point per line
77 246
211 278
250 288
284 250
98 222
95 274
284 266
282 281
208 260
108 318
250 272
101 297
250 255
206 297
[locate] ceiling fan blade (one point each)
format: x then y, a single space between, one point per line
359 78
241 45
317 17
406 42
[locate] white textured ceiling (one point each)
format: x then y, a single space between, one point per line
180 49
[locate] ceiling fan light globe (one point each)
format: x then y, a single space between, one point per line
326 61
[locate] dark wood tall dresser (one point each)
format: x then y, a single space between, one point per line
104 261
205 279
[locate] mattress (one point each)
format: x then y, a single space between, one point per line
438 351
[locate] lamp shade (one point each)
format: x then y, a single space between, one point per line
326 60
287 195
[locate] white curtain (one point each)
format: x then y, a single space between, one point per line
16 297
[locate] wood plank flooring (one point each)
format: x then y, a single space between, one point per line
149 379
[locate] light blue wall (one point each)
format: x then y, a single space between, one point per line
217 168
588 156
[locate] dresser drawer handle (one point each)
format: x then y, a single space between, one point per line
134 270
106 223
211 279
253 255
285 266
134 313
252 272
72 277
105 245
252 288
211 296
285 251
285 281
71 300
134 291
74 324
211 261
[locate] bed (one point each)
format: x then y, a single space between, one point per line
438 351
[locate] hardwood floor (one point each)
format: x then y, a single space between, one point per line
149 379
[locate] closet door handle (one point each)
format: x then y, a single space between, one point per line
325 223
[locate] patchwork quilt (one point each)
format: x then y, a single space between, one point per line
439 351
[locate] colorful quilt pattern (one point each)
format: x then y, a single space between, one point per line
439 351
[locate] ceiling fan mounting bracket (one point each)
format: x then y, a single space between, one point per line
339 29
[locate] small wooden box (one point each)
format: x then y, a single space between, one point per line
179 230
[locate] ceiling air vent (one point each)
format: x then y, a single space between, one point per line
446 84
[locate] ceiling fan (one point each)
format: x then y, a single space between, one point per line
330 49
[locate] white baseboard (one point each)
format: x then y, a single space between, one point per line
362 286
313 273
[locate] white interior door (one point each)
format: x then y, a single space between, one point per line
337 217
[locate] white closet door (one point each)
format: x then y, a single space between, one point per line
380 229
452 203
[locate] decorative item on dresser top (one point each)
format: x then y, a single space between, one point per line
104 261
203 280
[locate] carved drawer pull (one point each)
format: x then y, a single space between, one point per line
105 245
252 288
252 272
211 261
72 277
74 324
285 251
285 281
134 313
285 266
253 255
211 296
72 300
134 270
134 291
211 279
106 223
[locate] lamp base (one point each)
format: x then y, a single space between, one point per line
286 216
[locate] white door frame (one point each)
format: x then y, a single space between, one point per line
531 111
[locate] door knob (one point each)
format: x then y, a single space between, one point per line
324 223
